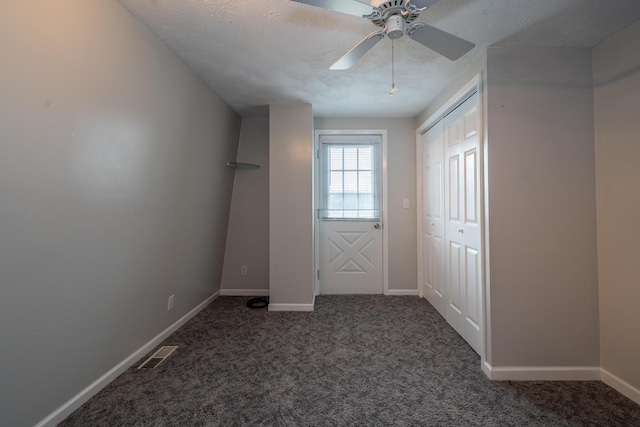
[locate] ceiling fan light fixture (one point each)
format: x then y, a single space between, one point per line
395 27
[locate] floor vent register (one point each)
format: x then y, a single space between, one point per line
157 357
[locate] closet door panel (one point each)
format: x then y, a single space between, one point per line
433 217
463 238
452 220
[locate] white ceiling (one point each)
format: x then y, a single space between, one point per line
257 52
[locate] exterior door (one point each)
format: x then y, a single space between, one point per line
350 218
462 223
433 240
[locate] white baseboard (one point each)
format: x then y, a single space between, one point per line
92 389
402 292
620 385
542 373
290 307
244 292
562 373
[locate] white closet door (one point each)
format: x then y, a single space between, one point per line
433 217
462 222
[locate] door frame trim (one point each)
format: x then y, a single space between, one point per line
316 197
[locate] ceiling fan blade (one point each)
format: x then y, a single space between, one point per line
446 44
351 7
356 52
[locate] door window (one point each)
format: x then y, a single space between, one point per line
350 182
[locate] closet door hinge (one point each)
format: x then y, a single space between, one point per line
318 274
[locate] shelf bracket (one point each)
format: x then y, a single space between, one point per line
236 165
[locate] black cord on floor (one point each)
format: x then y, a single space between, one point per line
258 302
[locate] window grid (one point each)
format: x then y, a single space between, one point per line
351 181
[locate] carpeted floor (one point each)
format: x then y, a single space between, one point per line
354 361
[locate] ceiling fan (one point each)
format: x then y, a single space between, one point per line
395 17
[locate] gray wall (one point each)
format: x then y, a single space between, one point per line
541 179
291 207
401 181
114 195
617 103
248 235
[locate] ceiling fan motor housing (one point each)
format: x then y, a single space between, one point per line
389 8
395 27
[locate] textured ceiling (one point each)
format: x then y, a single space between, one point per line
257 52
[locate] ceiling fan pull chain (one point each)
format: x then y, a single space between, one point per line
393 90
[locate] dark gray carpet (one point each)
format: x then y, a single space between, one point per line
354 361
